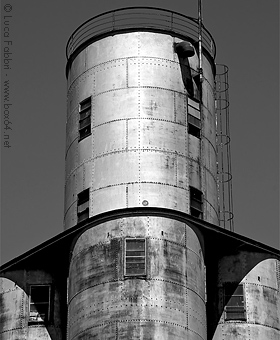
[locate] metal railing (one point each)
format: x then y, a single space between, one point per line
133 19
223 148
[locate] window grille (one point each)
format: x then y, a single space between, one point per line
85 118
135 257
39 303
83 205
234 302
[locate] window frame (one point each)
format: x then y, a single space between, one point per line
194 126
198 207
39 320
230 310
144 273
85 118
83 205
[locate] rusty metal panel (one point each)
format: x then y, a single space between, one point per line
71 160
195 271
42 333
85 84
241 331
133 132
109 48
163 136
165 228
180 108
211 200
116 105
194 173
182 179
154 72
158 167
157 103
13 299
194 148
160 195
79 179
264 274
156 45
158 72
207 70
168 261
87 183
72 132
70 191
110 75
196 314
110 137
73 98
70 217
107 199
78 66
115 169
262 305
133 196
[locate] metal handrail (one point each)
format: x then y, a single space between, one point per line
134 18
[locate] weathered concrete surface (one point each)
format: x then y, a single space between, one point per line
169 303
140 148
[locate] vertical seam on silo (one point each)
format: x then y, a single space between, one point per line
86 49
174 107
245 284
126 149
176 156
21 310
176 169
117 251
117 331
187 304
187 308
185 110
93 99
126 68
174 57
84 175
75 194
126 135
202 163
139 122
126 195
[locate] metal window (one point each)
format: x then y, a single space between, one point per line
234 302
83 205
135 257
39 303
85 119
194 126
196 203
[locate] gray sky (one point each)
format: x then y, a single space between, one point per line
246 33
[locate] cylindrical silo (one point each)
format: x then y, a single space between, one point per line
167 301
140 133
249 299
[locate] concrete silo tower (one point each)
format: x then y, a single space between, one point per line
141 144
